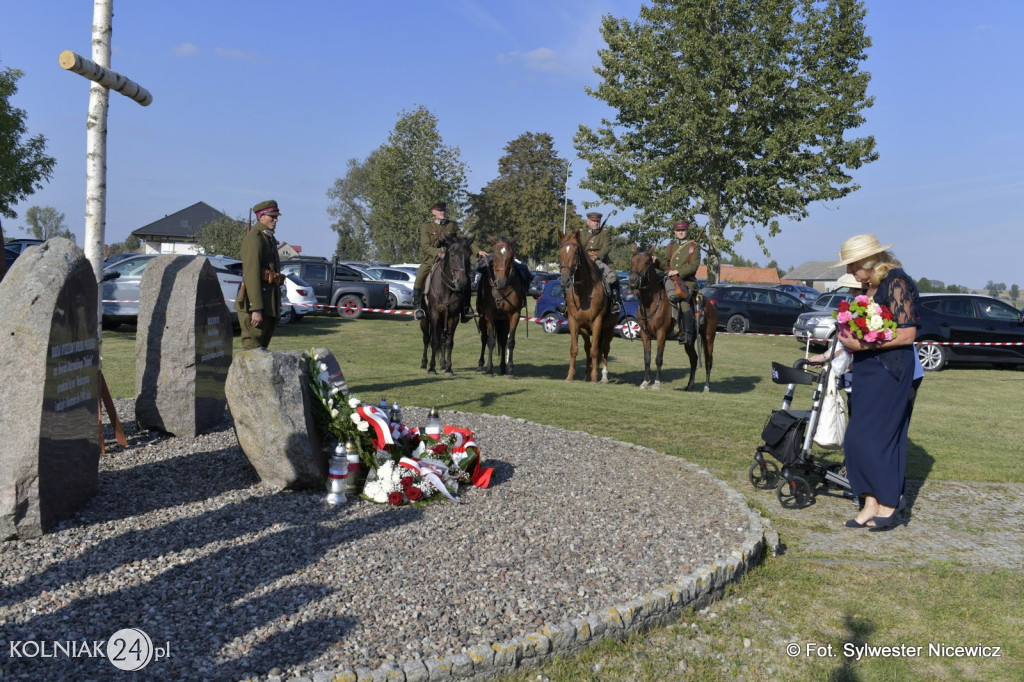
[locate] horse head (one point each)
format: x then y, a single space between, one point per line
640 268
457 259
570 255
504 262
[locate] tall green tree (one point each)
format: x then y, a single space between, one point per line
735 110
351 212
23 161
45 223
527 199
131 244
387 197
994 288
222 237
1014 293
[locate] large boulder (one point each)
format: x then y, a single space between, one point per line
269 399
182 347
49 436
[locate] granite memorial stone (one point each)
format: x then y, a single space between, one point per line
49 449
182 347
270 401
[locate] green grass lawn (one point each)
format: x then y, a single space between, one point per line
965 428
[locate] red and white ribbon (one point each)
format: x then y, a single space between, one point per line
378 419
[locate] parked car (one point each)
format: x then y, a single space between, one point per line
805 294
300 298
118 257
122 279
345 289
536 287
400 282
10 255
745 308
819 326
964 318
18 246
555 322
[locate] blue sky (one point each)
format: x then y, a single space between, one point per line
256 100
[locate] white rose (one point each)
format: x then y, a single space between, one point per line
354 403
355 418
363 426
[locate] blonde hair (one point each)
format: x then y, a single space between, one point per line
879 264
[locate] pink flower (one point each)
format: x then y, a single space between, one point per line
844 317
871 337
862 300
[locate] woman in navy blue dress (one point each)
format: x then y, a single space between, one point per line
883 372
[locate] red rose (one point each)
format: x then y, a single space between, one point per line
414 494
396 498
439 449
861 322
844 306
406 482
886 315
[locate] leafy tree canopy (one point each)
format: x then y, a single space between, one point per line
222 237
381 202
735 110
131 244
23 162
527 199
45 223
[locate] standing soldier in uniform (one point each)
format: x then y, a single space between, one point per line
433 233
683 261
597 242
259 297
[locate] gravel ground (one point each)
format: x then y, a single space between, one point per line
183 542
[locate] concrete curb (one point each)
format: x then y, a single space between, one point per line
643 612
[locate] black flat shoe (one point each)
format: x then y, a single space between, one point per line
852 523
890 521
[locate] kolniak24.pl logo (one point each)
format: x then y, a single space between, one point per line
127 649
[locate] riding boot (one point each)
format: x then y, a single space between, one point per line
417 303
616 299
560 307
686 326
467 309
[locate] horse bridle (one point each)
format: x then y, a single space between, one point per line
572 268
644 279
499 294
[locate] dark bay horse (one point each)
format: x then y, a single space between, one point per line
655 313
443 301
499 298
586 306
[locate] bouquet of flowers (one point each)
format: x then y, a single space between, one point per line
864 319
335 414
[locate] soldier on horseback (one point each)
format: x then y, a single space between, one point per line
597 243
681 279
433 234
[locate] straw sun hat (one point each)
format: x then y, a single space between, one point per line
860 247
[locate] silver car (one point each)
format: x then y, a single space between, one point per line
818 327
121 282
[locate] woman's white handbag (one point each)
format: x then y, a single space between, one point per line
832 420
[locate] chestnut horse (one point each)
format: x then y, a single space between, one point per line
586 307
499 298
655 317
443 303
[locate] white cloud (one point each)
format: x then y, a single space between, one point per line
235 54
186 50
542 59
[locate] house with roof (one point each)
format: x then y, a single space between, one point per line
176 233
732 274
820 274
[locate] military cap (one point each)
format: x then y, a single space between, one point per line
439 206
681 225
268 207
593 215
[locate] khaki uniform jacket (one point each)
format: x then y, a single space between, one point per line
682 259
432 234
600 242
259 253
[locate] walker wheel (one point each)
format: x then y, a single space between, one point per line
764 475
795 493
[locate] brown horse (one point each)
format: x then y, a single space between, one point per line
443 301
655 313
499 298
586 307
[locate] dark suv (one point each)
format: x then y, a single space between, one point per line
742 308
968 318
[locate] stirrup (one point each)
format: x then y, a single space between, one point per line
467 314
419 314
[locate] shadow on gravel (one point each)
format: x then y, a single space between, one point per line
205 606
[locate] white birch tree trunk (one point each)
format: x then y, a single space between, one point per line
96 142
